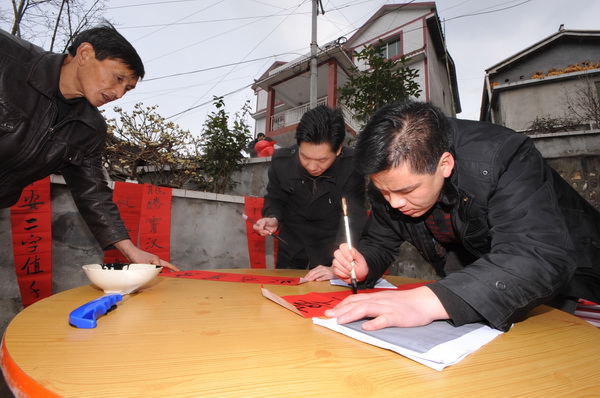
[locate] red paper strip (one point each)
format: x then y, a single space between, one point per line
315 304
230 277
128 198
256 243
31 221
155 221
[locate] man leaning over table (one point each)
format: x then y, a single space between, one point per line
306 184
524 235
49 123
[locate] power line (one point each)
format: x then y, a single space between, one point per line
186 17
489 12
202 22
216 67
152 4
208 102
194 105
355 3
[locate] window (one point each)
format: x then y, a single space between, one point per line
391 49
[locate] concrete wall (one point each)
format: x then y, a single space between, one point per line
568 144
519 104
576 157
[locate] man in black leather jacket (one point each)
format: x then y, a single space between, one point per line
306 184
49 123
442 183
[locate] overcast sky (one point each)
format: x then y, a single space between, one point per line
196 49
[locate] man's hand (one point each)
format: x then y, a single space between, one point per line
136 255
342 264
266 226
320 273
406 308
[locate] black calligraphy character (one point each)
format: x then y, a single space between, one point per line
31 221
214 277
32 242
154 221
283 281
248 278
31 201
151 243
35 263
124 202
155 203
34 291
302 304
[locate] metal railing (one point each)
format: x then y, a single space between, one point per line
293 116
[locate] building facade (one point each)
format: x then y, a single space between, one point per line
411 30
551 92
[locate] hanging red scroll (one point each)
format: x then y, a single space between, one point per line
155 221
128 198
31 221
256 243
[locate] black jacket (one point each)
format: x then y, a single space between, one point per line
314 222
528 230
32 146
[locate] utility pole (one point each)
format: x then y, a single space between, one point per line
313 55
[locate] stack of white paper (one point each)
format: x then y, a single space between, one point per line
381 284
436 345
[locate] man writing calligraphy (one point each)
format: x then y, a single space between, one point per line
526 237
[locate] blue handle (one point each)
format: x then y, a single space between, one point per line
85 316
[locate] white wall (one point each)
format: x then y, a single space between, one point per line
517 108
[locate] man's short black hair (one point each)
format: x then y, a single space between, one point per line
322 125
109 44
411 132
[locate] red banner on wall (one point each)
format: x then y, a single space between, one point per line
31 221
128 198
155 221
256 243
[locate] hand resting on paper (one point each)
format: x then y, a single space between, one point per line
407 308
137 255
320 273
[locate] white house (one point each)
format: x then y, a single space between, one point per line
543 82
412 30
551 91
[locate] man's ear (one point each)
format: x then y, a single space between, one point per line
446 164
85 51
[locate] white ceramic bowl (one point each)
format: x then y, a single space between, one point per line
120 278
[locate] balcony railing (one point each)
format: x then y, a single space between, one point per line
293 116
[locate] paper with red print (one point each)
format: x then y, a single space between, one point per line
315 304
231 277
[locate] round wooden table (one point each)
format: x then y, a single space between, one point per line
193 338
